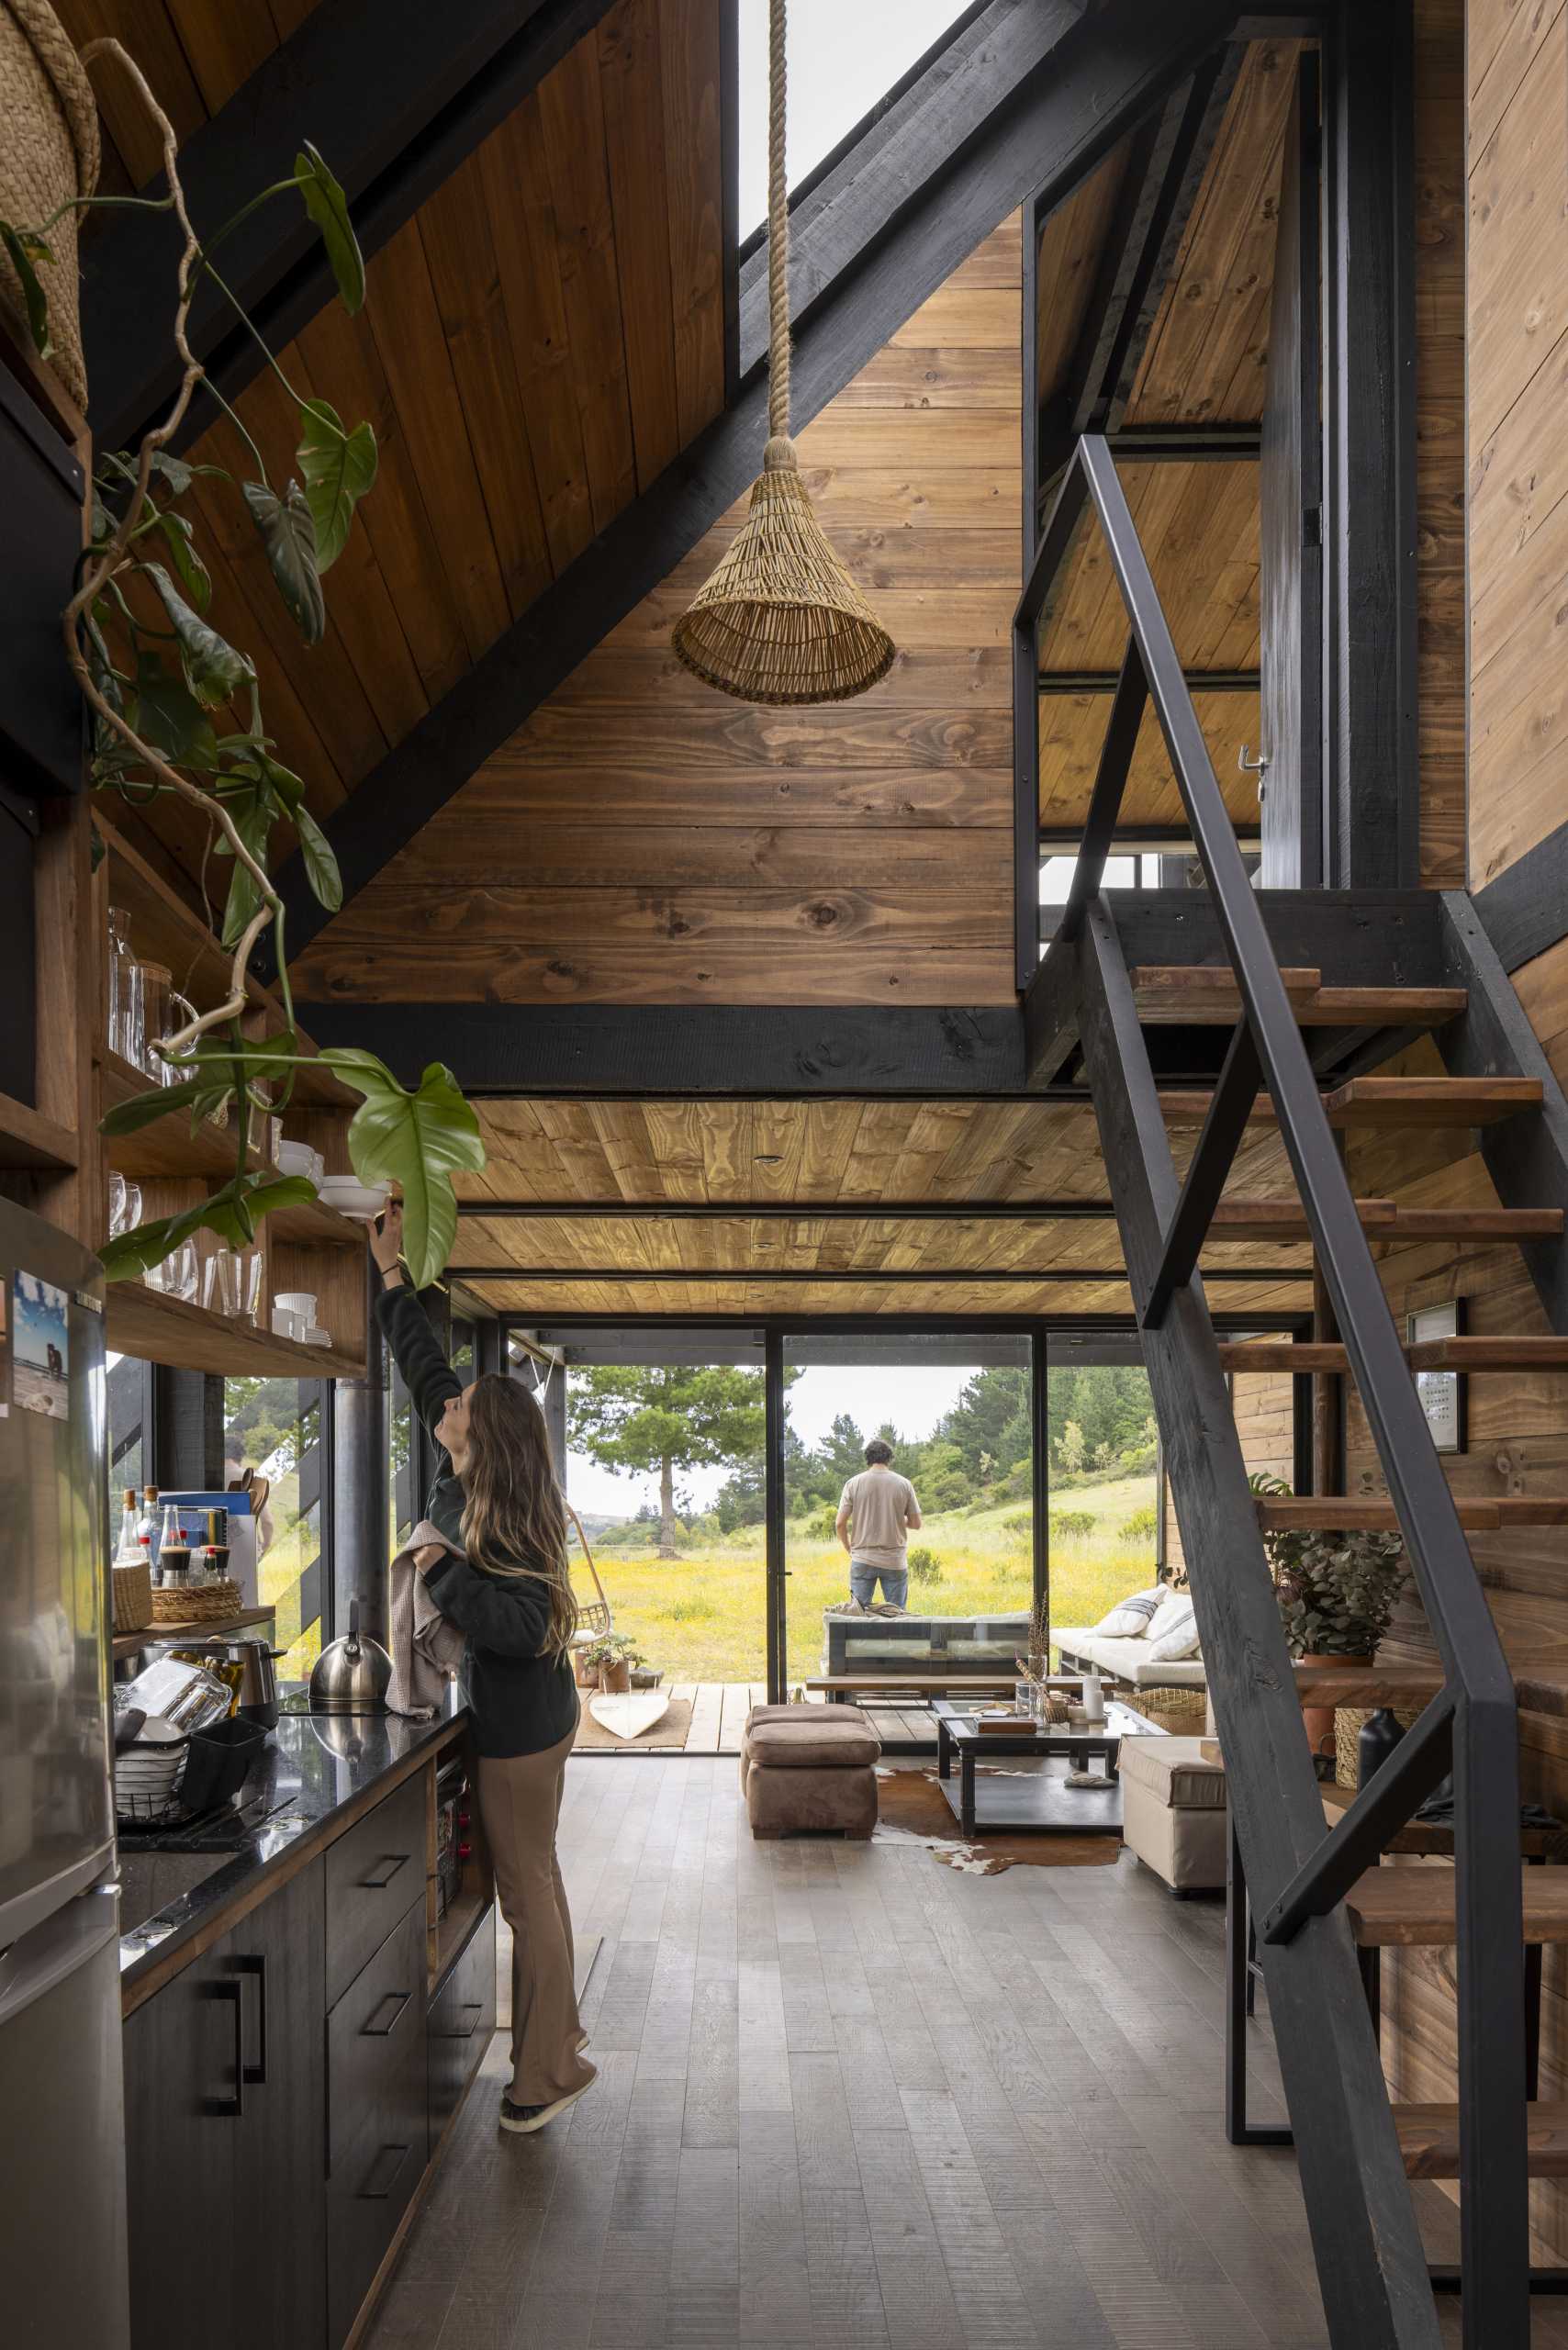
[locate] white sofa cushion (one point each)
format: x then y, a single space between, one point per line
1130 1661
1172 1632
1129 1619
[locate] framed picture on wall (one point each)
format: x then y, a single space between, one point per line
1442 1393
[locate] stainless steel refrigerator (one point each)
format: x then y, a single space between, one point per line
62 2252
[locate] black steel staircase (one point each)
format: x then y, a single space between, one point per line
1313 1896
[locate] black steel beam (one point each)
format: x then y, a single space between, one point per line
1188 445
1103 681
800 1211
1156 840
893 237
1395 1791
394 111
1525 911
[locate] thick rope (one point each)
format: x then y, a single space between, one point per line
780 454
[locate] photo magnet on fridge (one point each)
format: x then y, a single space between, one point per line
40 1346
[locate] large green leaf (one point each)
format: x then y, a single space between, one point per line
144 1109
289 534
22 249
168 715
214 671
320 862
193 574
339 468
329 208
416 1140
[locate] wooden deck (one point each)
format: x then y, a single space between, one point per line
719 1709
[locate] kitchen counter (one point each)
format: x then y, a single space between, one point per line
184 1888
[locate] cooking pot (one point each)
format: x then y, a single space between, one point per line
351 1675
257 1700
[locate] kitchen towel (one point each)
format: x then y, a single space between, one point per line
426 1648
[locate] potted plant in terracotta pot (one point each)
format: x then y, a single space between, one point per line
1337 1588
612 1655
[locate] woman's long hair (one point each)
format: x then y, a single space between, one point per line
513 1520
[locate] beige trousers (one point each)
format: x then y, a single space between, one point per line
520 1802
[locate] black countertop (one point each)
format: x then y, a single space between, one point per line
176 1881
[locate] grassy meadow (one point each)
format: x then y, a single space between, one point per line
701 1617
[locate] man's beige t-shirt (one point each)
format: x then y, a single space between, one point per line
879 1501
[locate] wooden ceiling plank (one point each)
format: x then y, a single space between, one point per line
691 62
340 354
571 115
628 1149
454 229
517 190
224 45
778 1136
631 88
1067 263
405 322
147 31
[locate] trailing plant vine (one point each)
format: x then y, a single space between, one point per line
161 682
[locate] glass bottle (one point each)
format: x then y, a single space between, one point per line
126 1024
173 1551
128 1550
147 1526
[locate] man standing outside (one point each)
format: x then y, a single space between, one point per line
881 1508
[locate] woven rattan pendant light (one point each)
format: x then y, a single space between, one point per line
780 620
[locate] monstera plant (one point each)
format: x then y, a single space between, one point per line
176 711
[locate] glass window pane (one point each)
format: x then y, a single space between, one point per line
1103 1523
275 1428
128 1390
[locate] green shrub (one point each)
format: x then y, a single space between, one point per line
1072 1526
1142 1526
925 1566
948 1489
1018 1521
823 1524
686 1611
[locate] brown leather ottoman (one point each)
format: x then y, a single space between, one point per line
807 1769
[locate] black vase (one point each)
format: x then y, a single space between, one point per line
1381 1733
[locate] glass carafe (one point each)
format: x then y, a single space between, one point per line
127 1013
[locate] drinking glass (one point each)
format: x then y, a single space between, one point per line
125 1206
247 1270
182 1271
220 1282
127 1017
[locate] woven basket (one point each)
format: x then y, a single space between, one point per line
1151 1703
133 1588
209 1603
48 153
1348 1723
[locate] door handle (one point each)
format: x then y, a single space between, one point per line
384 2030
256 1965
230 2109
475 2010
369 2194
389 1863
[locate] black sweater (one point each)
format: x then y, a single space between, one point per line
522 1700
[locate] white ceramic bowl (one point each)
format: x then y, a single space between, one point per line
300 1303
297 1158
362 1202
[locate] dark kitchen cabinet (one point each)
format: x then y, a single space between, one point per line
377 2127
462 2023
226 2139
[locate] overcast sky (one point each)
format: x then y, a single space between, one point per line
913 1400
843 54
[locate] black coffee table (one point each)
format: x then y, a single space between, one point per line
1034 1799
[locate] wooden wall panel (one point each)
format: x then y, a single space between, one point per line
644 839
1439 436
1517 327
1264 1422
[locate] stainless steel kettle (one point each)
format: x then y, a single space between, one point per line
351 1675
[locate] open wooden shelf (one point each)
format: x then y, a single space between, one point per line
132 1643
29 1140
146 1322
169 1150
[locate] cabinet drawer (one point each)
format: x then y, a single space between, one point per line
462 2019
377 2112
373 1874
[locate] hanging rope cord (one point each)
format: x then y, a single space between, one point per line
779 453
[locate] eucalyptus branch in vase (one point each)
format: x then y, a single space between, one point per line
154 692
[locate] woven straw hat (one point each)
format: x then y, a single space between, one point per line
49 151
780 620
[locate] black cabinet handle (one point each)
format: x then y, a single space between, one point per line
230 2109
476 2010
384 2031
368 2194
256 1965
389 1863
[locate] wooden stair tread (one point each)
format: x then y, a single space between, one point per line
1391 1908
1428 2139
1350 1683
1385 1102
1544 1353
1431 1837
1386 1220
1180 993
1476 1515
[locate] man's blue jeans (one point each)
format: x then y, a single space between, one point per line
862 1583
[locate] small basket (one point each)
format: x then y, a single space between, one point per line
132 1590
202 1603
